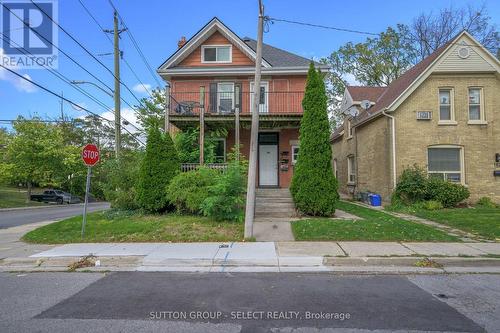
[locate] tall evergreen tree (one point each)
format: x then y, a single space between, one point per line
314 187
159 166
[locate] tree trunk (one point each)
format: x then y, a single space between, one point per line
28 198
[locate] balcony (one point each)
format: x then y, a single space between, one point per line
220 104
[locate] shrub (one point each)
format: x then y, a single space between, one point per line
486 202
188 190
120 180
449 194
432 205
226 200
159 165
412 185
314 187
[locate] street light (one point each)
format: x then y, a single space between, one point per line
109 93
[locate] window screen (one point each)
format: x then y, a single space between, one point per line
444 159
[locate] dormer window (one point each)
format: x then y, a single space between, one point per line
216 53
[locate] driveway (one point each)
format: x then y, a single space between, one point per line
17 217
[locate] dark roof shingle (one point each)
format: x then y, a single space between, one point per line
278 57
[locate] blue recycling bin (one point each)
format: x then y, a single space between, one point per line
375 200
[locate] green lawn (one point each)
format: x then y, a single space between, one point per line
11 197
374 226
120 227
481 221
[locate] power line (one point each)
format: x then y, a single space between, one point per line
273 19
136 45
111 42
67 55
65 79
87 51
67 100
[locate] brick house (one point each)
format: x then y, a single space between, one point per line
211 83
443 114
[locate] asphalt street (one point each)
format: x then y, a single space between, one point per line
17 217
247 302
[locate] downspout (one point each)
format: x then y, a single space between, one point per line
393 144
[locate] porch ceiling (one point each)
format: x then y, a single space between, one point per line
228 121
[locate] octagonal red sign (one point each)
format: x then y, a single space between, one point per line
90 154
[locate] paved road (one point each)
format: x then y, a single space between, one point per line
247 302
12 218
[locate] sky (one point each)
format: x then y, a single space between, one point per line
157 25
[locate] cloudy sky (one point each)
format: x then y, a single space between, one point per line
157 26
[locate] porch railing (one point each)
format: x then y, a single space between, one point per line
225 103
185 167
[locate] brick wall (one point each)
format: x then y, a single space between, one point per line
479 142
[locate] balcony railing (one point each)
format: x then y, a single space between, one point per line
185 167
225 103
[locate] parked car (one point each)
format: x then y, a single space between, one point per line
57 196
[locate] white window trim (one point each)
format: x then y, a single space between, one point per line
335 170
462 162
203 61
482 117
266 89
349 128
294 160
223 140
219 94
452 120
350 171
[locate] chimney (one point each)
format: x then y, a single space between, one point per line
181 42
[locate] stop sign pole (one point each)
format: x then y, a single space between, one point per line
90 157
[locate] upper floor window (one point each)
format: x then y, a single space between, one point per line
216 53
225 96
445 162
349 128
476 109
351 169
446 112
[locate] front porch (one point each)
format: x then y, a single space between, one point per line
277 153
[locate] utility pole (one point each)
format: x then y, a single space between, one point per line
254 134
117 55
62 106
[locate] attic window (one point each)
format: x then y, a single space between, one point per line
216 53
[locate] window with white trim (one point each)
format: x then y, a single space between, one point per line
445 162
225 96
349 128
219 150
351 169
335 170
295 154
446 112
476 110
216 53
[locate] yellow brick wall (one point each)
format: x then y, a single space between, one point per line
370 144
480 142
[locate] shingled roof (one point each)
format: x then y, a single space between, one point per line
278 57
387 95
359 93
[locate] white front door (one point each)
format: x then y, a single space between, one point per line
268 165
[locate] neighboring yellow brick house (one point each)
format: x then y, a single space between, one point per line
442 114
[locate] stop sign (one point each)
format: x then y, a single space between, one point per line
90 154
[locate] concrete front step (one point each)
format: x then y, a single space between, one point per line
277 209
274 215
271 231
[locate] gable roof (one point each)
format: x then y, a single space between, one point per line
274 60
359 93
197 39
277 57
399 89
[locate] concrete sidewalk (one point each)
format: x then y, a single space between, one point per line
385 257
